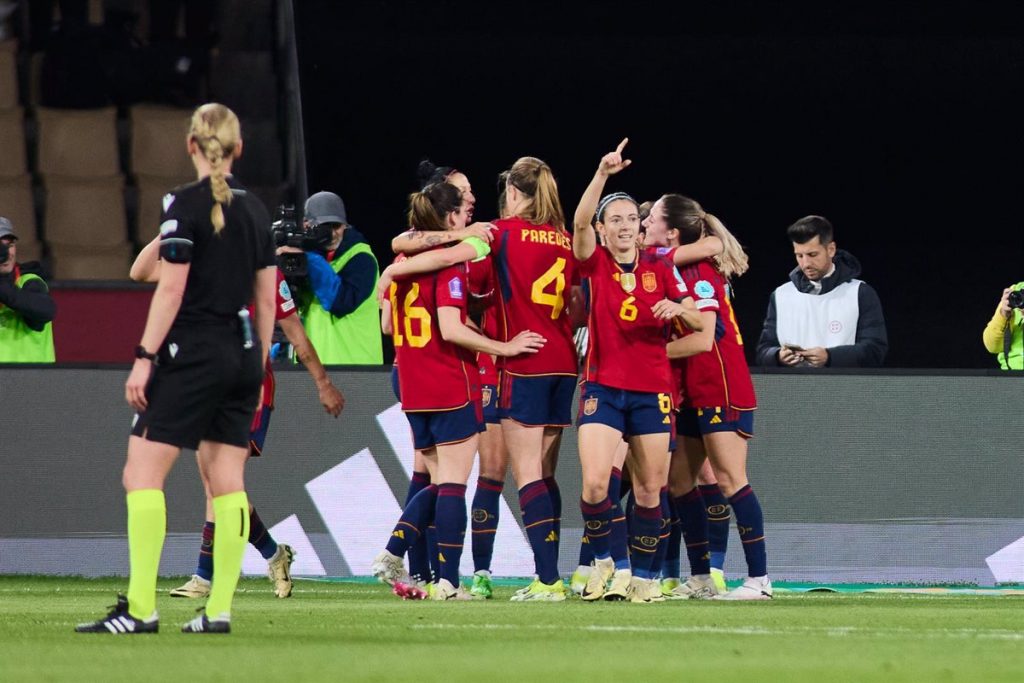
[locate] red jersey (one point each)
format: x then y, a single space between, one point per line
535 269
284 306
627 343
719 377
434 374
481 289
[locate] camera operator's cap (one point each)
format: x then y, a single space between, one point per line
6 228
325 207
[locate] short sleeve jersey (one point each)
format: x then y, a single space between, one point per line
222 265
481 289
627 343
434 374
284 306
719 377
535 269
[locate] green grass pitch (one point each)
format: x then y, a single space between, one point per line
358 631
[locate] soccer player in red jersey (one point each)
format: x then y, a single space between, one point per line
633 296
717 416
439 382
535 270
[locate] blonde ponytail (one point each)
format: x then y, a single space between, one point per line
534 178
215 129
733 261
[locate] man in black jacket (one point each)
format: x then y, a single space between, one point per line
824 316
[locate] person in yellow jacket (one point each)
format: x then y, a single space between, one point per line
1004 334
338 306
26 307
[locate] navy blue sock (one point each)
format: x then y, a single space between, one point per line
432 553
259 537
485 521
205 567
597 520
643 541
539 520
693 516
415 518
750 522
718 514
618 539
419 562
666 529
673 550
614 485
450 520
555 494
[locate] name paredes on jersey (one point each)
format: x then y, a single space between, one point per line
545 237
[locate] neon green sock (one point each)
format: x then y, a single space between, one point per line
232 514
147 524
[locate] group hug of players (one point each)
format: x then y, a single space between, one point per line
483 319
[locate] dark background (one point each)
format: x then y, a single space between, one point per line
901 124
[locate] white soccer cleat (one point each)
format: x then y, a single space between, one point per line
753 588
279 570
196 587
444 590
645 590
597 582
620 587
700 587
578 580
389 569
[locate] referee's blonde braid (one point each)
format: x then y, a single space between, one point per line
216 131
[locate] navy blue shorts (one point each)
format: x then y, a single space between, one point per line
259 435
541 401
441 427
394 383
489 400
634 413
696 422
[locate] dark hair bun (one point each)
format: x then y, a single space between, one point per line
425 172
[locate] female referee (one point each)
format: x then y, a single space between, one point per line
198 370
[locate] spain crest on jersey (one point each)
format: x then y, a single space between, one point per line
485 396
590 406
650 282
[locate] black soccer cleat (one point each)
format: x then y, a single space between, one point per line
202 624
119 622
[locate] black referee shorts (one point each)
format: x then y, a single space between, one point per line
205 387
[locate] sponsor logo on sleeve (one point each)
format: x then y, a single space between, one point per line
455 288
167 227
284 291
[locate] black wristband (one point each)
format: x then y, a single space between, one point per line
141 352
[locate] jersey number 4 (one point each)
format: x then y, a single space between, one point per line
410 313
539 294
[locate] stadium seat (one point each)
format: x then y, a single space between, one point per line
85 212
158 141
16 204
12 142
8 74
150 191
81 143
92 263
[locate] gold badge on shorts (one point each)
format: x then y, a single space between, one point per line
485 396
590 406
650 282
627 281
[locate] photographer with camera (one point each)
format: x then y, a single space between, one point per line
26 307
1004 334
335 284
